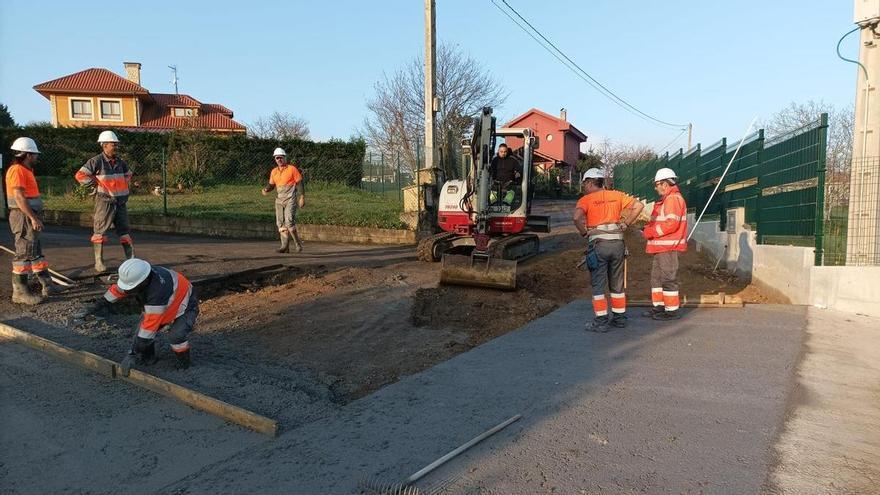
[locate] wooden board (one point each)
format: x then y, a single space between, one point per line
112 369
83 359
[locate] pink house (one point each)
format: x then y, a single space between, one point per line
558 141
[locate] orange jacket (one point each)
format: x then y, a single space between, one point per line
667 230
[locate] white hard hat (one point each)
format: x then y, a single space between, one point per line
665 174
24 145
279 152
593 173
108 137
132 272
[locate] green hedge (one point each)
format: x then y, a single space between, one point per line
191 156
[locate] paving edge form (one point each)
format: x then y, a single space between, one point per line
240 229
112 370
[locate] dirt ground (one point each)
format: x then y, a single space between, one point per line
317 334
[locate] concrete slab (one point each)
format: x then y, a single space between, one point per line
691 406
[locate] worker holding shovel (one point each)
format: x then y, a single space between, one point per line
25 209
602 216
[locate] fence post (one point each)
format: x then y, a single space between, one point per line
369 164
164 184
819 234
759 235
382 172
399 191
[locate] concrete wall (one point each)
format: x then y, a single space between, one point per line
241 229
788 271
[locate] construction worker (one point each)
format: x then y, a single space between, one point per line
25 212
110 176
603 215
287 179
666 236
169 303
506 171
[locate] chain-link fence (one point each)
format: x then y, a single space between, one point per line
852 214
192 176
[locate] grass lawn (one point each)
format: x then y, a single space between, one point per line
326 204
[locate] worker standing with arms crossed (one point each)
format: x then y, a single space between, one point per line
286 178
603 215
110 176
666 236
25 209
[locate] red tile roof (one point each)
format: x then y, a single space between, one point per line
564 125
159 117
216 107
94 80
170 100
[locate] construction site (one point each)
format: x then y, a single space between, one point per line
450 302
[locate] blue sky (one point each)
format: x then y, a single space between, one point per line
711 63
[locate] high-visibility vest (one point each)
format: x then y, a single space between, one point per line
166 299
667 230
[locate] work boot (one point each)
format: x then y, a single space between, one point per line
297 241
99 258
129 251
667 315
655 310
21 294
599 324
618 320
147 355
285 243
182 362
49 288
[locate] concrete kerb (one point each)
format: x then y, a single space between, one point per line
241 229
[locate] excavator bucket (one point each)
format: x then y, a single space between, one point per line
477 271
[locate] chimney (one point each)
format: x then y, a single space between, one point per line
563 114
133 72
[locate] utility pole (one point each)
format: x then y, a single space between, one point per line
426 176
863 231
690 135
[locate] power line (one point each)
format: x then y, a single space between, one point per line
673 141
578 70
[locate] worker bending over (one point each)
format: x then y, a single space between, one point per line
25 212
666 234
110 176
603 215
169 302
286 178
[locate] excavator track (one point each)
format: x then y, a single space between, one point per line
430 249
516 247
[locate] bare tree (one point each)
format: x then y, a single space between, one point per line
838 158
612 154
280 125
396 111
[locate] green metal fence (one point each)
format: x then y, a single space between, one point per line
780 182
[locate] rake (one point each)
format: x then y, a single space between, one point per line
378 487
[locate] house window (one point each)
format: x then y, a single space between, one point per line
183 112
111 109
81 109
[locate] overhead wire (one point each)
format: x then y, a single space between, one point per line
557 53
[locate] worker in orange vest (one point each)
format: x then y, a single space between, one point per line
603 215
666 234
288 181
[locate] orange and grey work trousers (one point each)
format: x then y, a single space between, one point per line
111 212
664 280
608 275
28 251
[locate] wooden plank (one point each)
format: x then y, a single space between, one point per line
112 369
202 402
83 359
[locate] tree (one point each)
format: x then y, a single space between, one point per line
396 116
280 125
838 156
6 119
611 154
